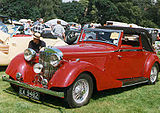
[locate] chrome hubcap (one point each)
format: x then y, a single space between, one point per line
153 75
80 91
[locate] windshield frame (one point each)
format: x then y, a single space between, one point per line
99 30
7 28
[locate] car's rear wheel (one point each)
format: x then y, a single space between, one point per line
80 92
154 74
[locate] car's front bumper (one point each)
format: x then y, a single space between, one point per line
35 88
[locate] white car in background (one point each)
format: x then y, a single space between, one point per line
13 43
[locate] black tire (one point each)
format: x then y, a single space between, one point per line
71 38
154 74
71 91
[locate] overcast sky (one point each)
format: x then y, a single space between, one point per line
68 0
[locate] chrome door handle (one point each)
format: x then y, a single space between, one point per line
119 56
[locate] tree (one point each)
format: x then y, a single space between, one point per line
141 12
48 8
129 13
89 11
18 9
106 11
152 13
72 11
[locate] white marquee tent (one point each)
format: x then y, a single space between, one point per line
54 22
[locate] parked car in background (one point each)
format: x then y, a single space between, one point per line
154 34
14 42
103 58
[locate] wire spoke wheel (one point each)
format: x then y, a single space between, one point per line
80 91
153 74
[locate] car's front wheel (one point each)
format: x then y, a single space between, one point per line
154 74
80 92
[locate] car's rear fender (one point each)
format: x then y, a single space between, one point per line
67 74
149 63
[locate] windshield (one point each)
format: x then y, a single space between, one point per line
3 27
101 35
9 29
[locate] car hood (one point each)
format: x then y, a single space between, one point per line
85 49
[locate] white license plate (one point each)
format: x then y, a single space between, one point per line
29 93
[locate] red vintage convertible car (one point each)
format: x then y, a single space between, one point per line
103 58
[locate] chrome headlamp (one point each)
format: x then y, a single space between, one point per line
29 54
37 68
55 59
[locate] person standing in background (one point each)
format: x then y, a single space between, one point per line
27 27
36 22
39 27
58 30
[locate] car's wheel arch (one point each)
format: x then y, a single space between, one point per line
148 65
65 78
89 74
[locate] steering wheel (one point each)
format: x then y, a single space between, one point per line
90 38
101 38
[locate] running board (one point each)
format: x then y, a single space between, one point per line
133 81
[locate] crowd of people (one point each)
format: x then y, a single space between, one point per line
36 29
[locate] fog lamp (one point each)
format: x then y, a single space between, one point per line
18 76
37 68
44 82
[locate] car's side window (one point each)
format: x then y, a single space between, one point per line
130 41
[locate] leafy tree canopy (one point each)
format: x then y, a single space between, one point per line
141 12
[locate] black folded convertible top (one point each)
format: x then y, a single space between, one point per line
146 37
127 30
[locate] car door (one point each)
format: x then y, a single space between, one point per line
128 61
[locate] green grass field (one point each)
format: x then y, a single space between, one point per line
136 99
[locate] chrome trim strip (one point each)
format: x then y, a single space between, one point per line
127 50
35 88
135 83
120 50
68 53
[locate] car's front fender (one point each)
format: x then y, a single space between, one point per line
18 64
67 74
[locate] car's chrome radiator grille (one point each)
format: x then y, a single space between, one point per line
48 69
